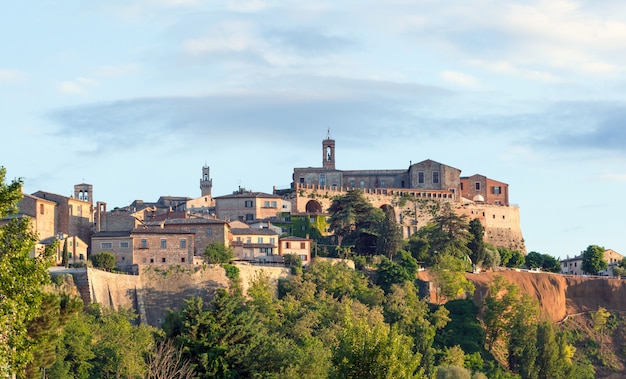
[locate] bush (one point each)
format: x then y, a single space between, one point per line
104 260
218 253
232 272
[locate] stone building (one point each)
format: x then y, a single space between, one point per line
146 246
401 191
73 215
248 206
426 175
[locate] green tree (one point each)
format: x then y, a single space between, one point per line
373 351
389 236
593 260
65 260
477 243
355 222
534 260
22 279
449 276
403 268
104 260
217 252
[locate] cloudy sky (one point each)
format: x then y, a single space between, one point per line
135 96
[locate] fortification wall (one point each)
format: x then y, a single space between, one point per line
502 223
151 293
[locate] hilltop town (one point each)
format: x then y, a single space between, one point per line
264 227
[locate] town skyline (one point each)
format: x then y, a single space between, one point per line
135 97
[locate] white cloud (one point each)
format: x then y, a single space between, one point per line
78 86
460 79
10 75
504 67
116 70
225 37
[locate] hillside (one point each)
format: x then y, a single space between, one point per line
570 301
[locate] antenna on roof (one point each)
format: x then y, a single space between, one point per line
328 134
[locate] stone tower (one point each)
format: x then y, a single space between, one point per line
328 151
84 192
206 183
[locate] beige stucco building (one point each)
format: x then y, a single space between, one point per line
298 246
573 266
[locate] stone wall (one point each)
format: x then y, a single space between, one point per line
154 291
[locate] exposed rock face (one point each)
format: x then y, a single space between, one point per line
559 295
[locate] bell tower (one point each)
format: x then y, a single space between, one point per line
206 183
84 192
328 152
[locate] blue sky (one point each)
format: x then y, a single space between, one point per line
136 96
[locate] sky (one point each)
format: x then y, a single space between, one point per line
136 96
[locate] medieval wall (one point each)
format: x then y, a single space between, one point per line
155 290
502 223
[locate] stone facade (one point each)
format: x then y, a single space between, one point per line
248 206
74 217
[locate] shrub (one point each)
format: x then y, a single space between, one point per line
104 260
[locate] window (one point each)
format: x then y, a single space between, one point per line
106 245
302 245
144 243
81 257
163 244
301 180
362 184
183 244
273 204
259 240
461 186
496 190
182 259
477 186
71 243
69 255
209 232
124 245
272 240
266 204
192 230
382 184
123 258
248 239
248 204
287 245
303 258
41 209
163 260
151 260
352 184
322 179
238 239
420 177
435 177
249 217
